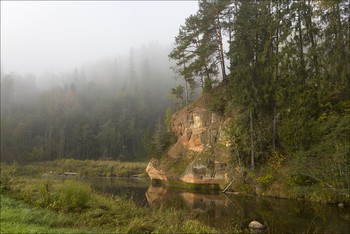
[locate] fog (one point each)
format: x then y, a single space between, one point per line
57 36
87 80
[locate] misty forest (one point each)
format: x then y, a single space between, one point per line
101 111
265 85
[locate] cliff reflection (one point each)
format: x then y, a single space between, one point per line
230 212
210 208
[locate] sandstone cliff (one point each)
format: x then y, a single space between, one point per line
200 155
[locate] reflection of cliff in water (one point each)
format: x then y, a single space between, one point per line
211 209
226 212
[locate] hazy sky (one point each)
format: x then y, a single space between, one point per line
55 36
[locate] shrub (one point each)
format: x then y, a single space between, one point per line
45 189
6 177
272 170
75 196
265 180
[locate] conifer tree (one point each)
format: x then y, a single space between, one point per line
212 26
244 59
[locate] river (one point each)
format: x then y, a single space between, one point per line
231 211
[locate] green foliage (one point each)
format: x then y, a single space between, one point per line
272 170
178 92
5 182
301 180
265 180
75 196
239 139
275 162
37 154
6 175
71 197
218 100
168 119
157 143
325 164
47 199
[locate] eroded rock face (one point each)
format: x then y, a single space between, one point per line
155 173
196 128
198 132
200 173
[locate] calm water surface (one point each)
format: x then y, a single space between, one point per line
227 212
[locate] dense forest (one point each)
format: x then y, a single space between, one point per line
285 83
99 111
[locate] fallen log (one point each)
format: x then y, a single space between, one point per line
70 173
228 185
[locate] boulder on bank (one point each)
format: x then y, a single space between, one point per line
256 227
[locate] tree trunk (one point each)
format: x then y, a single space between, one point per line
301 47
313 46
186 90
252 153
274 126
133 146
224 78
274 134
61 144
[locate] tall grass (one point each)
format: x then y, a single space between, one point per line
92 210
19 217
83 168
75 196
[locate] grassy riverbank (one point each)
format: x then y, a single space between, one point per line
281 179
82 167
32 204
20 217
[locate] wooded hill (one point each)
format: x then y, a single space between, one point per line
284 74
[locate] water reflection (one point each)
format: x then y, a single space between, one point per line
228 212
132 188
212 209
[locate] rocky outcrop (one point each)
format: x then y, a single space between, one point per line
157 174
196 128
199 173
200 154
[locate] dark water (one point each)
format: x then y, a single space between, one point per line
227 212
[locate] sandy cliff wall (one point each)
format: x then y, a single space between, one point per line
199 156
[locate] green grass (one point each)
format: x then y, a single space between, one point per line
64 207
19 217
82 167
